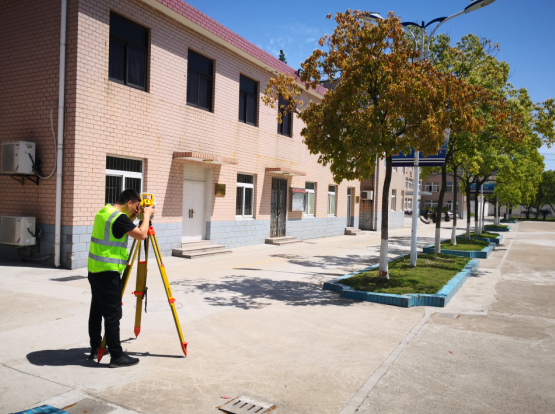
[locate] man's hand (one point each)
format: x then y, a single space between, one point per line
149 212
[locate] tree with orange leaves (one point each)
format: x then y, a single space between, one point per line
385 101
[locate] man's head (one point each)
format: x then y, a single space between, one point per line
129 201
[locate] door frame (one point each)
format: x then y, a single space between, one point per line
284 205
207 197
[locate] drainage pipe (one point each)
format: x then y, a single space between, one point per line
59 154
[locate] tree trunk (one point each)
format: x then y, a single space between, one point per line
468 218
437 246
384 272
482 222
476 211
455 197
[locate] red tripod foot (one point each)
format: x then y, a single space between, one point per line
184 347
137 331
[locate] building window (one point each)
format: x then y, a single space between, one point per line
432 187
449 187
127 60
121 174
310 196
285 127
200 80
430 203
248 102
245 196
408 183
393 199
408 203
331 200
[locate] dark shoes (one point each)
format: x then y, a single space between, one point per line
123 361
94 353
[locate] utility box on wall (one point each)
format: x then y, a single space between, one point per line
18 231
367 195
18 157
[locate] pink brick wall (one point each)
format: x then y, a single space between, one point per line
116 119
106 118
30 47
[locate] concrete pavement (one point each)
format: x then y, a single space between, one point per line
258 324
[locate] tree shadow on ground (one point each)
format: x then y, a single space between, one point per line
255 292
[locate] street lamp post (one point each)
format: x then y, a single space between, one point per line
424 50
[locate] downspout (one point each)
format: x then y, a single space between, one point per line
59 155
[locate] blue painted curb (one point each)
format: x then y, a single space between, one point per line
439 299
43 409
496 240
473 254
493 228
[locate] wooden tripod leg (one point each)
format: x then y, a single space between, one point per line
171 300
124 280
140 287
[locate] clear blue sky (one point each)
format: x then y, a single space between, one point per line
523 30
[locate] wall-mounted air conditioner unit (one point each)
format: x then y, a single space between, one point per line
18 231
15 157
367 195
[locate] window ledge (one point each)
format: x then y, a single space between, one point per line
241 218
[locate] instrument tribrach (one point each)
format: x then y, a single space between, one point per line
147 200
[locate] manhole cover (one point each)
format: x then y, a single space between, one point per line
88 406
160 306
68 278
246 405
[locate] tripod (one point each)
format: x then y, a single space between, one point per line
141 288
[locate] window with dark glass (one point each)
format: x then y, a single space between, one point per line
128 52
285 127
121 174
248 102
200 78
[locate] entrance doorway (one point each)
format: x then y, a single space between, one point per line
349 207
193 204
278 207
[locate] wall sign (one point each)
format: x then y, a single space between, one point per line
219 190
297 199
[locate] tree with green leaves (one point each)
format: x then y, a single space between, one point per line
282 56
386 101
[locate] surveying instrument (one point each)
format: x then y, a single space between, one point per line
147 200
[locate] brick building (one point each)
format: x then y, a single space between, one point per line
161 98
431 187
400 197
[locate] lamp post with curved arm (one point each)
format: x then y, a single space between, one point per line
424 50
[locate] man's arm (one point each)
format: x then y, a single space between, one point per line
139 233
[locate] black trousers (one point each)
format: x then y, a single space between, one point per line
106 303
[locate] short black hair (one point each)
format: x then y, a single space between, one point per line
128 195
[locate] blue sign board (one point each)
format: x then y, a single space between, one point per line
487 187
437 160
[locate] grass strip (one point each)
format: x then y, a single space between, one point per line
465 245
486 235
538 219
501 226
431 274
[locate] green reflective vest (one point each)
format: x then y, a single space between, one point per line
107 252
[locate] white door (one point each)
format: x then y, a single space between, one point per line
193 211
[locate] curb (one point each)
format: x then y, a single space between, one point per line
439 299
472 254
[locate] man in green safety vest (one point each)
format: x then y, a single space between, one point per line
107 259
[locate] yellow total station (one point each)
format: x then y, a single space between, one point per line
147 200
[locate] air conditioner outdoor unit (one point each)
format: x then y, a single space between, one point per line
17 231
15 157
367 195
